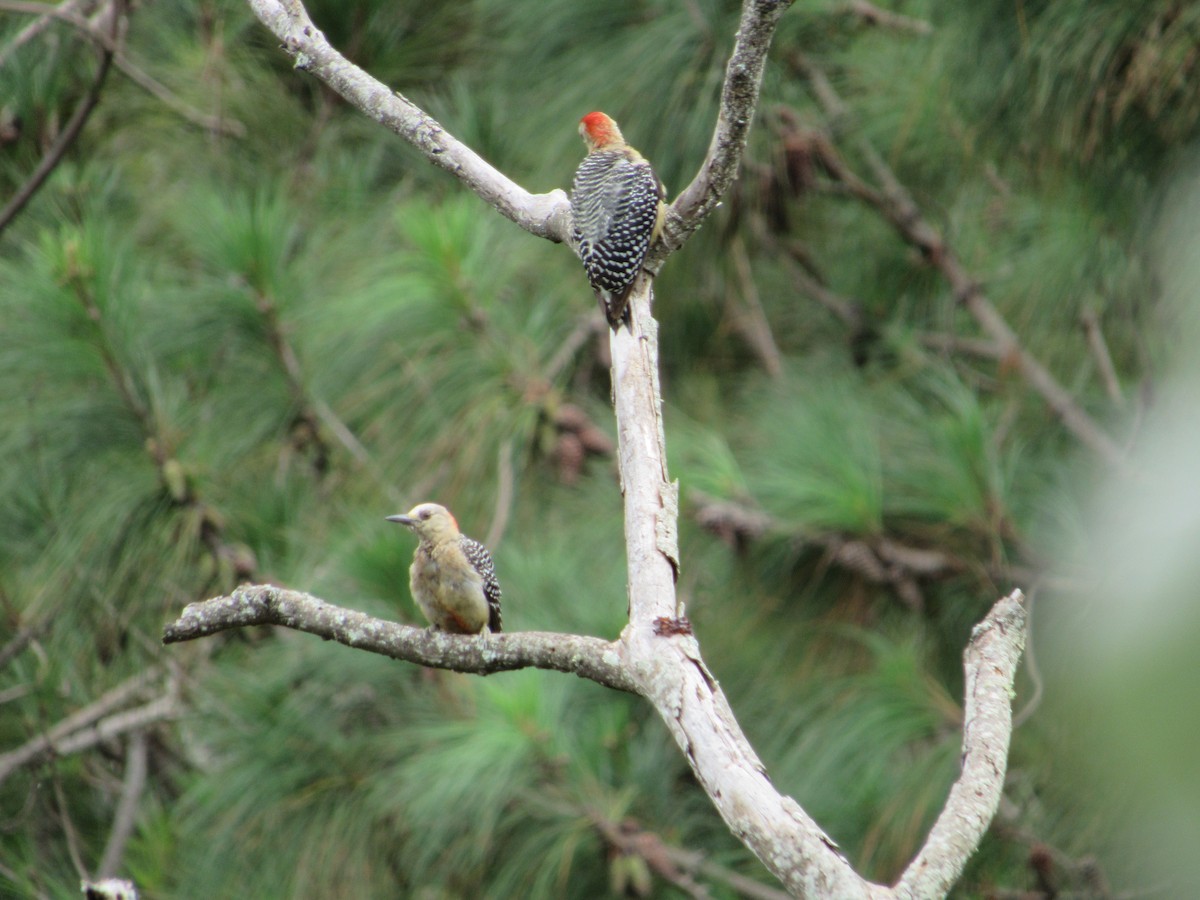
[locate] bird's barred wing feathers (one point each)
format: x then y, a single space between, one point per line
478 556
614 206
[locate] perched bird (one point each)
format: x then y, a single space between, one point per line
617 209
452 577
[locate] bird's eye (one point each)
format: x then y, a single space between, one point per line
424 514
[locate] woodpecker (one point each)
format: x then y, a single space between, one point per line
618 210
452 577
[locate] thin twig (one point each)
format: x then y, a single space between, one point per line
752 321
125 818
16 692
629 839
849 312
47 13
1108 372
504 496
952 343
143 79
68 828
158 710
871 14
672 862
15 879
212 122
16 646
589 324
112 699
313 409
67 136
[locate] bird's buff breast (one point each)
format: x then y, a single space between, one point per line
449 592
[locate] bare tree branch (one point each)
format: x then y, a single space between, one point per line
545 215
849 311
739 97
877 559
952 343
779 831
990 663
674 678
589 324
665 658
208 121
630 839
676 864
264 604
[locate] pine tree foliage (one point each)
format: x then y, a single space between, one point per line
225 358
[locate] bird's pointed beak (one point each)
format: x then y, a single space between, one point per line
402 520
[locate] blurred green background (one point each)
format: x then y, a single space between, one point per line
229 346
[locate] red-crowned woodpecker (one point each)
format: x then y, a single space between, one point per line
452 577
618 210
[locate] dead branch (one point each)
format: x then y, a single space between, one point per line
545 215
669 672
990 663
265 604
739 97
22 639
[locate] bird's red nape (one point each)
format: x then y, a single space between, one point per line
599 127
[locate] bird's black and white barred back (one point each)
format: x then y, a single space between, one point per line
617 211
477 555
